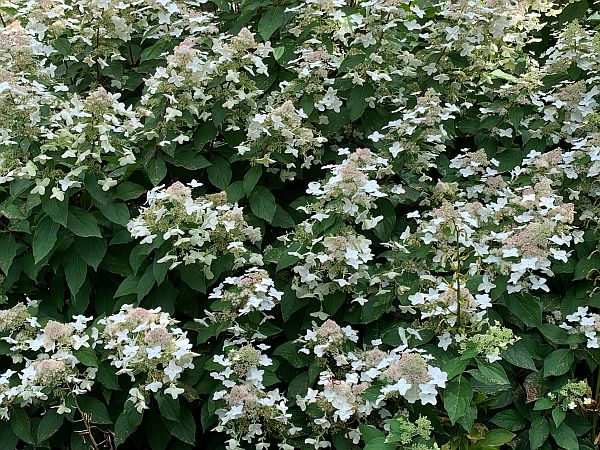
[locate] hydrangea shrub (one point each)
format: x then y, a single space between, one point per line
344 224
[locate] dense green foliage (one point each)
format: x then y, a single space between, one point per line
303 224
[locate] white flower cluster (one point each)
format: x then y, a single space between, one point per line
585 323
80 134
419 135
48 370
199 229
513 230
250 412
100 25
452 309
145 344
347 387
238 297
279 135
184 91
328 339
331 263
352 189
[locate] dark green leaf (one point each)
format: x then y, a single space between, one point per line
185 428
157 170
91 250
75 271
379 444
538 433
219 172
21 425
558 362
357 100
127 423
58 211
82 223
526 308
44 238
86 356
95 408
50 423
262 203
116 212
8 251
251 178
457 398
564 436
270 21
169 407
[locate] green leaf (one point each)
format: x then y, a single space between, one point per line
107 377
95 408
169 407
75 271
63 46
21 425
586 266
193 276
128 286
127 423
350 62
564 436
86 356
558 362
278 52
538 432
91 250
146 283
251 178
543 403
502 75
282 219
154 51
262 203
356 100
509 419
8 251
154 428
82 223
49 425
289 352
44 238
558 415
526 308
518 355
455 367
457 398
494 439
185 428
190 160
116 212
270 21
492 373
129 191
235 192
290 303
8 439
157 170
219 172
376 306
369 432
386 226
379 444
58 211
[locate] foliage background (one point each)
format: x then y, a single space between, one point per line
408 83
